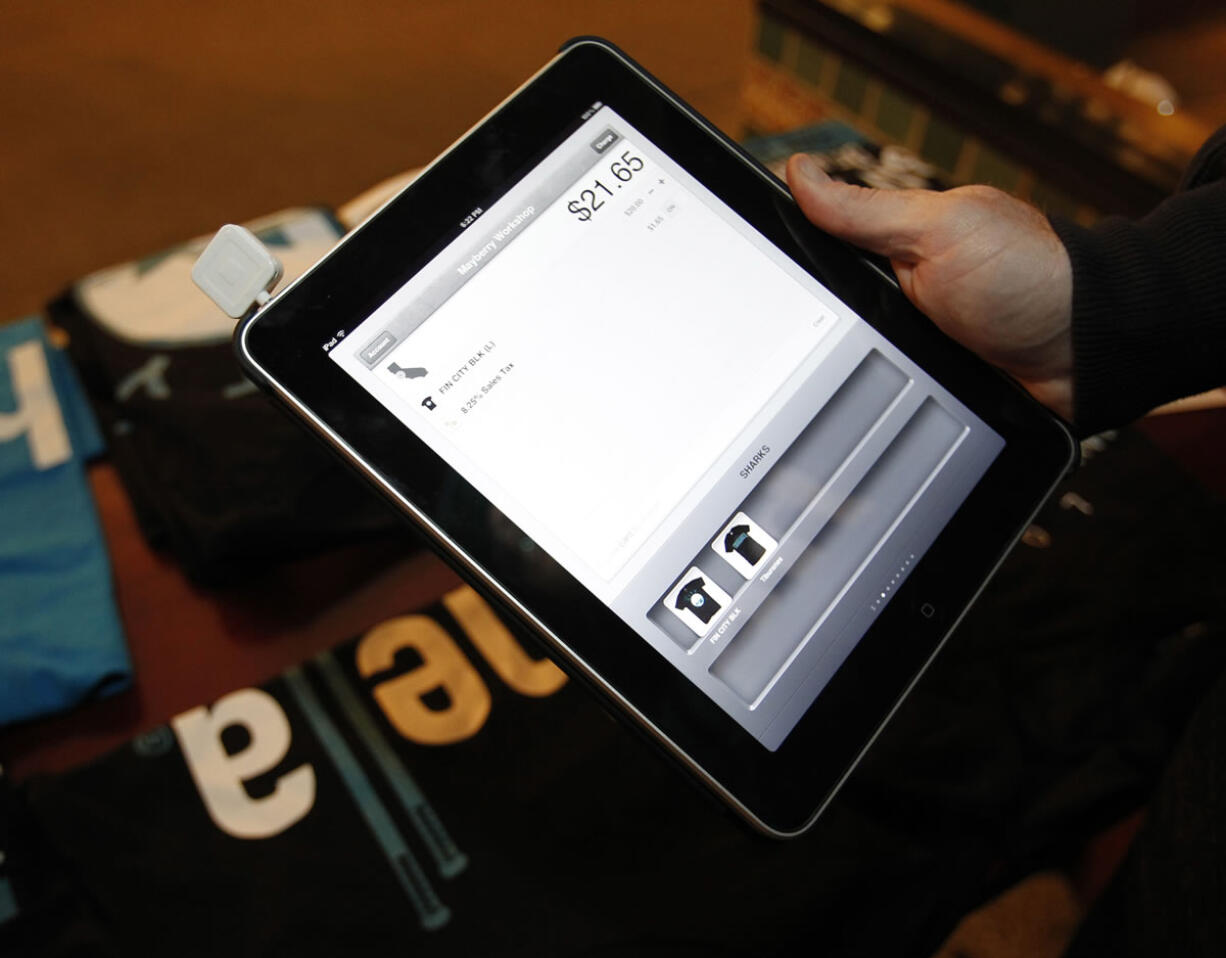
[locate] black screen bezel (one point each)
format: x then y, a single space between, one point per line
281 347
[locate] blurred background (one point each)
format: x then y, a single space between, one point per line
131 127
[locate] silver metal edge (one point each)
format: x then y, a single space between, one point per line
722 139
851 767
474 569
425 169
440 538
443 541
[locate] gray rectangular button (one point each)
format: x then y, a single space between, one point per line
605 140
763 647
378 346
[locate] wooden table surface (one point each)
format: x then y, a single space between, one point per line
135 125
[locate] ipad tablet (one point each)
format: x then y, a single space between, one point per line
710 455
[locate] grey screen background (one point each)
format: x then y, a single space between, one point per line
868 460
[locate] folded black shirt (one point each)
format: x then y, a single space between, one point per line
217 474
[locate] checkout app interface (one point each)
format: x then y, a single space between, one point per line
696 429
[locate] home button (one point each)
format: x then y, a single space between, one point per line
928 610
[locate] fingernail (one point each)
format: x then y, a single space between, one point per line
807 169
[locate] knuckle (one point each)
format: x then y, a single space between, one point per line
983 194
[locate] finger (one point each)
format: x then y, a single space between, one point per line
889 222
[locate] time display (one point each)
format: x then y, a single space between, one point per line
592 198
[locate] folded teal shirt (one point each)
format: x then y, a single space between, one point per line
61 641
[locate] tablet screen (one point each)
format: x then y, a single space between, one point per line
696 429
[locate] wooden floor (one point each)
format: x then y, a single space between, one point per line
126 133
131 125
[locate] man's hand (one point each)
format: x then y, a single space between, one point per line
987 268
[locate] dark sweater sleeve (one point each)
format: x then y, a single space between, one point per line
1149 301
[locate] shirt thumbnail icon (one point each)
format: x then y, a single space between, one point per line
406 372
744 545
696 600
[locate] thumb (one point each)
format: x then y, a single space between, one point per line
888 222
